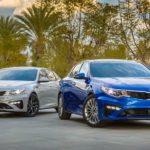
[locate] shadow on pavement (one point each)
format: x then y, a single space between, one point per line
47 111
78 120
22 115
125 125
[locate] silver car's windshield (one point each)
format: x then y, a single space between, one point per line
18 74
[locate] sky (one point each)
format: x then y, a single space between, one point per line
9 3
7 7
110 1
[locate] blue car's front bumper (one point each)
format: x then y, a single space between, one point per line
129 108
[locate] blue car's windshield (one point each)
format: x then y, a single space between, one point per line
116 69
18 74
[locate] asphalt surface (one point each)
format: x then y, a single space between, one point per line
47 132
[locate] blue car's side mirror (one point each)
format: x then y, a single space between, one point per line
80 76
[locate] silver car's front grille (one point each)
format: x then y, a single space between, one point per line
4 106
2 93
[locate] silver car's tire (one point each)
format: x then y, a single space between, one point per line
90 113
33 106
61 110
56 109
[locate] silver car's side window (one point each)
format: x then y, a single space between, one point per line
57 77
43 75
51 76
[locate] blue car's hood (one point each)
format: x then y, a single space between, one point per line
140 84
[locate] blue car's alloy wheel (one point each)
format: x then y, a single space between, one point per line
90 113
61 110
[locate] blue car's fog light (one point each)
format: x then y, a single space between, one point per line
112 107
108 109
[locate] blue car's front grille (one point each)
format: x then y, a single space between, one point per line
135 113
139 95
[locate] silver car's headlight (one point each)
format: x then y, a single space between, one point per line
16 92
114 92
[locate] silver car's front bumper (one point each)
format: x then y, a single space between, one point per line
14 103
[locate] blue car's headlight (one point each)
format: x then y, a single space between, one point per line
114 92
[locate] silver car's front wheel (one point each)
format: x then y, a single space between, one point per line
61 109
90 113
33 106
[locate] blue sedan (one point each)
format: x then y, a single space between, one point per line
102 90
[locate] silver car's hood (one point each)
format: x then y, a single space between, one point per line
7 85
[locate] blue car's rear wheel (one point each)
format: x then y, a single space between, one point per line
61 109
90 112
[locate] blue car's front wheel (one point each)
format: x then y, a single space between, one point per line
63 115
90 112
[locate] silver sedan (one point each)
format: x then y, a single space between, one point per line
28 89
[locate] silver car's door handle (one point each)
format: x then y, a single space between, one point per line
73 83
51 86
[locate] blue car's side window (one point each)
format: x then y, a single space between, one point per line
75 70
85 69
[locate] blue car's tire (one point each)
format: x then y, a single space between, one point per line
90 113
63 115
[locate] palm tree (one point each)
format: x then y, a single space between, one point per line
39 23
12 42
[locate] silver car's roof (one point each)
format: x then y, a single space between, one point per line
22 68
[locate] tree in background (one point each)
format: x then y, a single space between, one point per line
39 24
100 28
69 42
89 34
12 43
135 28
63 32
86 33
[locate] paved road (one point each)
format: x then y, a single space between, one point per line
47 132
